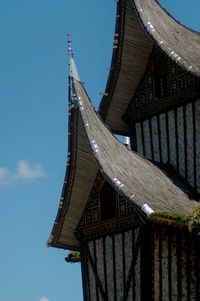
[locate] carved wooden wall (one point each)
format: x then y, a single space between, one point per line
112 267
139 265
176 265
110 246
173 138
124 259
164 85
97 218
164 118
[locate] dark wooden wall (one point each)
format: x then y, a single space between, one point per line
112 267
142 265
164 118
173 138
176 265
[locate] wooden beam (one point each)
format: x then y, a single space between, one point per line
132 267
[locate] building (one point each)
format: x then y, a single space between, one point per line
134 213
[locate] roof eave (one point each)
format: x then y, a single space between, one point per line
127 66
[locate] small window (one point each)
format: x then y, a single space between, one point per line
108 202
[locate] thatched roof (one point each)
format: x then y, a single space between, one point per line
93 147
140 25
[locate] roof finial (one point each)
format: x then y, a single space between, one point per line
72 66
69 42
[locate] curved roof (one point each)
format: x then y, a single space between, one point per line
176 40
134 177
131 52
142 24
81 171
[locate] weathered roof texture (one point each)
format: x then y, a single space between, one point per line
92 147
81 171
134 177
80 174
140 25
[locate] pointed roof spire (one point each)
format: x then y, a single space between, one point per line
72 66
69 42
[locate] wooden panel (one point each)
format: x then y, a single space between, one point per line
92 278
100 264
181 147
139 138
183 268
198 268
174 268
193 278
119 266
165 267
128 260
174 260
85 272
113 257
163 136
190 144
147 139
138 273
197 125
109 263
156 269
172 138
155 138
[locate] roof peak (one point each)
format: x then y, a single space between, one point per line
69 46
73 72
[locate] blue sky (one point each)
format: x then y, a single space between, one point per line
33 130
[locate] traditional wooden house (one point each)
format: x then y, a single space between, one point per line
134 214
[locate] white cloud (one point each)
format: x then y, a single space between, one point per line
4 175
24 171
3 172
44 299
27 172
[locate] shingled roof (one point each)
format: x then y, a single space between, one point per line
93 147
140 25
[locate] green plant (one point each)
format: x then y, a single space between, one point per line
73 257
194 220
